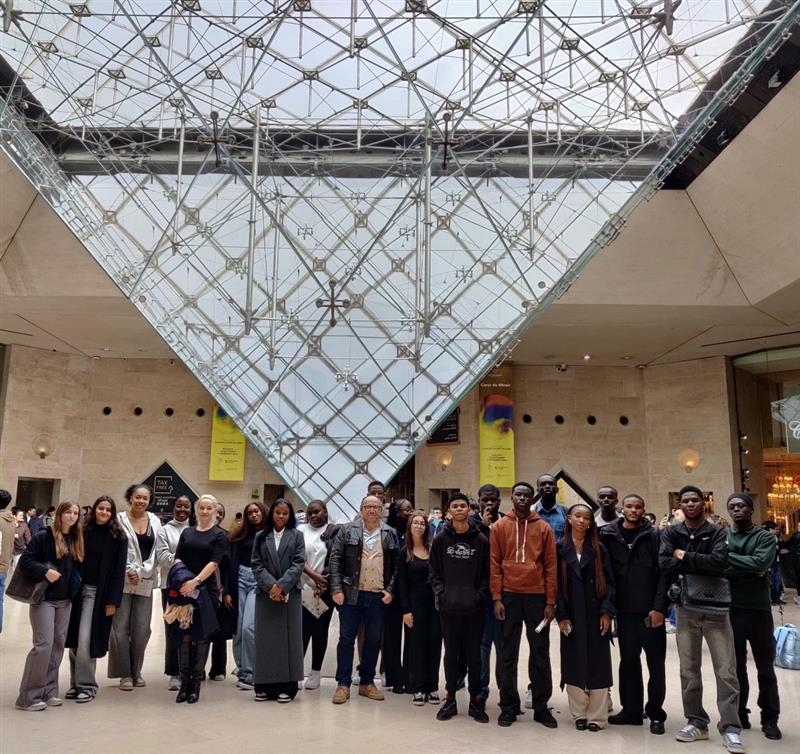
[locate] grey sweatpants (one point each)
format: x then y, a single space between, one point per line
49 621
130 633
693 627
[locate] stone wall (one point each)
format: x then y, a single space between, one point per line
63 396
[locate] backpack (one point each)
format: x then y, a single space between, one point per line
787 649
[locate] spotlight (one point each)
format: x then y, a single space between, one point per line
723 138
587 356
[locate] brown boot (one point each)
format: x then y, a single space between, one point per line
341 695
368 690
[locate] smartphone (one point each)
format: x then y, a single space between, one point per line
647 622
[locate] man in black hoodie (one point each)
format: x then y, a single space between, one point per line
632 544
694 554
459 575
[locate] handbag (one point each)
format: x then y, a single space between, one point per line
701 590
25 588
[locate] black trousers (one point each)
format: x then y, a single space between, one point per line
171 666
391 657
527 609
633 637
462 634
315 630
756 627
422 651
273 690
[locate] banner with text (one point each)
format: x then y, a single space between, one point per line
228 449
495 428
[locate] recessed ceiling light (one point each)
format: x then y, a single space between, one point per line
626 358
106 348
587 356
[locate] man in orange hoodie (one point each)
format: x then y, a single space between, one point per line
523 577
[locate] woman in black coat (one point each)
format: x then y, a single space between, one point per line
584 610
103 578
278 561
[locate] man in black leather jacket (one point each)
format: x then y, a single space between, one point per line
362 578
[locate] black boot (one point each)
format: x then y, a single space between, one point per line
198 671
185 666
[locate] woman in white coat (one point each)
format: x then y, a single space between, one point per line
130 631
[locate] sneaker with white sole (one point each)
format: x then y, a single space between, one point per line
174 683
529 699
218 678
284 699
733 743
139 683
54 701
244 685
313 680
126 684
689 733
36 706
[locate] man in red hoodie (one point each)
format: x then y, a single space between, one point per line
523 577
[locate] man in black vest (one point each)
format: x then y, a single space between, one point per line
632 544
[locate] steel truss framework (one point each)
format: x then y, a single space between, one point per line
340 214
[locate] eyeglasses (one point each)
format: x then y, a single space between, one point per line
372 508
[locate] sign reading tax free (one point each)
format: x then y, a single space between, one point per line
167 486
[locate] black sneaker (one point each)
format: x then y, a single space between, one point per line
771 730
657 727
545 717
506 719
623 718
448 709
477 710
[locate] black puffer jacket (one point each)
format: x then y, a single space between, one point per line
641 584
344 567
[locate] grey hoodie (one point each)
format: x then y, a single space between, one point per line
166 544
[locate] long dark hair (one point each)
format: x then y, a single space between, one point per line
599 576
243 529
113 525
269 524
426 537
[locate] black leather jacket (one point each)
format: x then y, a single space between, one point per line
345 561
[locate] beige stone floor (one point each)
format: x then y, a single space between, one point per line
227 721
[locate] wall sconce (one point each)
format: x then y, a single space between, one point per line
43 446
445 459
688 460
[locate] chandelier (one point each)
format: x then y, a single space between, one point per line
784 497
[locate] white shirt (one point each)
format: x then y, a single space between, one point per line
278 536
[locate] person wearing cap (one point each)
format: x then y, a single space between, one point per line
751 551
691 549
585 609
523 579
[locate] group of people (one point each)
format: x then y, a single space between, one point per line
462 582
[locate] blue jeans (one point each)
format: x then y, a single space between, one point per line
244 642
2 595
369 611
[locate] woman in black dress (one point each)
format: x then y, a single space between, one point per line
584 610
200 549
278 560
423 643
102 572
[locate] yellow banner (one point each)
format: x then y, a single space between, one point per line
495 428
228 449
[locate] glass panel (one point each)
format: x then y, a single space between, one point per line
340 214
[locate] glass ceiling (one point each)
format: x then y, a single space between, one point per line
340 213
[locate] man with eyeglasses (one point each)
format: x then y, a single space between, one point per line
362 578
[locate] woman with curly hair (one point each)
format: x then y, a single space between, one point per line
103 578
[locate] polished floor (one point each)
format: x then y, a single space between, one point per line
227 721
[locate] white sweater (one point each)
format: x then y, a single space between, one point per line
166 544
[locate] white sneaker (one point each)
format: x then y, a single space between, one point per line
284 699
312 682
689 733
36 706
218 678
174 683
54 701
126 684
733 743
529 699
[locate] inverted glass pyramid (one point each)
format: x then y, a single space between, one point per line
341 213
